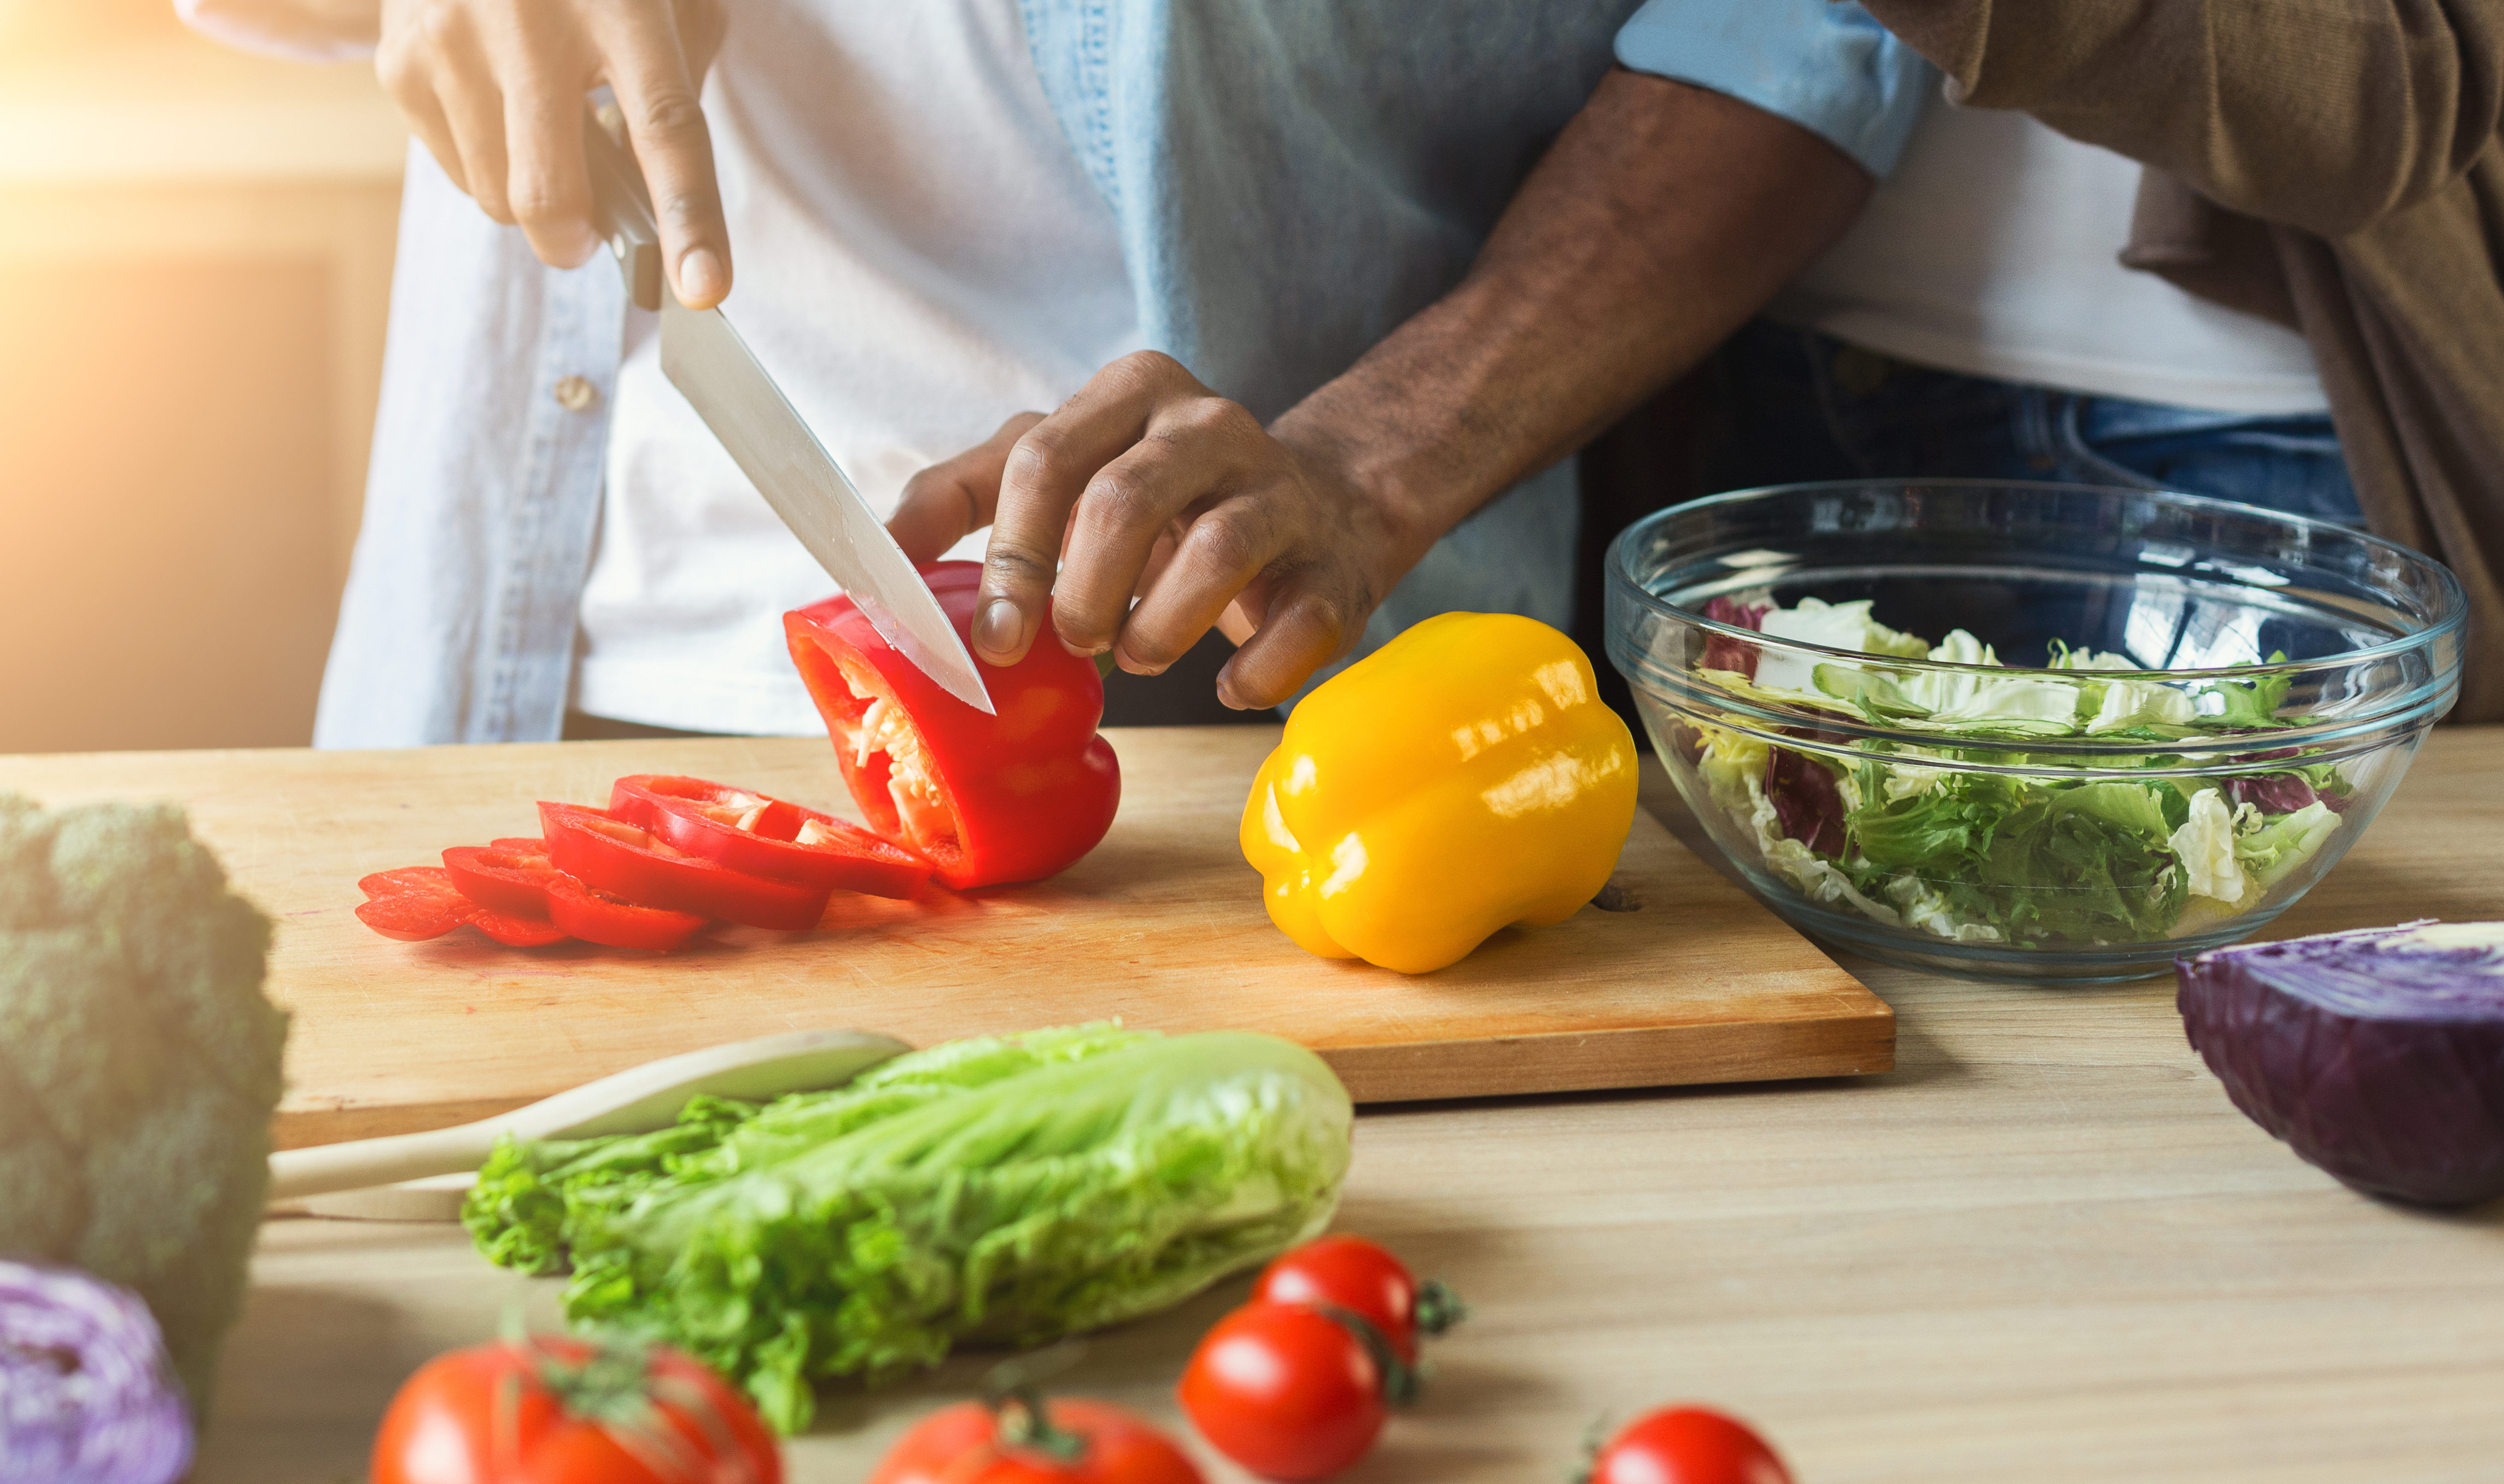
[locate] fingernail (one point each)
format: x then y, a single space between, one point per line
998 627
700 279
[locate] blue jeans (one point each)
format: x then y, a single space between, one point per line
1797 405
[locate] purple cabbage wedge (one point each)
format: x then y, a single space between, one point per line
2377 1054
86 1396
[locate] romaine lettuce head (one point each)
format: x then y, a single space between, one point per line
995 1191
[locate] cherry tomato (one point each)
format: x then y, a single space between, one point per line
1286 1391
1687 1445
1363 1278
561 1411
1086 1442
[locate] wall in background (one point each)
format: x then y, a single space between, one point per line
199 248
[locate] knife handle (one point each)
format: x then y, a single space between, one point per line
621 208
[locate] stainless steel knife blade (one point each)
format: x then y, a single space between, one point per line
705 358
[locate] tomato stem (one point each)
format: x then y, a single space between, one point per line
1594 1438
1398 1377
612 1387
1014 1391
1438 1307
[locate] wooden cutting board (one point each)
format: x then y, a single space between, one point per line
1160 926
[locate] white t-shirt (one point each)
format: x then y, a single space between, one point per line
919 253
1993 250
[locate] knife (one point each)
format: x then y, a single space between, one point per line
705 358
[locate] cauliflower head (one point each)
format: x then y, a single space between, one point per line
139 1062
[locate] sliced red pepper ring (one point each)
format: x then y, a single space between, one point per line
502 880
627 862
604 917
765 835
416 903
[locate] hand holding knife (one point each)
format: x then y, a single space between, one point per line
705 358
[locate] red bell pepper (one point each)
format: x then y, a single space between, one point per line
1014 797
766 835
626 861
416 903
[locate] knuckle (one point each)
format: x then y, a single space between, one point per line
396 71
1223 543
1033 460
1326 615
1120 498
671 115
1011 565
488 192
687 209
1149 363
1152 652
1225 419
440 25
1148 371
543 203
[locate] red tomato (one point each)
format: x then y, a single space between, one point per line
1285 1391
1365 1279
963 1444
561 1411
1013 797
1687 1445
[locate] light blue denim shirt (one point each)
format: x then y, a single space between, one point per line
1290 180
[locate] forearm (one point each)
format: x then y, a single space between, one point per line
1661 219
321 28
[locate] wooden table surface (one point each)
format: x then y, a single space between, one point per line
2044 1248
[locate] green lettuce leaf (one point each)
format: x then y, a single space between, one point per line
996 1191
2069 863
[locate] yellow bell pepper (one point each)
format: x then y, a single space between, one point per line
1463 777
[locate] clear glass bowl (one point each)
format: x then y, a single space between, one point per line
2031 818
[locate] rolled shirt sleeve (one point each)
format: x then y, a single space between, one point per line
1827 66
246 28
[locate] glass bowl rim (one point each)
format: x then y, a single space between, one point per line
2452 616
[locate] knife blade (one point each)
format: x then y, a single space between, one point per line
705 360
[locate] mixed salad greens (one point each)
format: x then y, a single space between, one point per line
1914 835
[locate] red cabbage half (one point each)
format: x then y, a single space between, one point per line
86 1396
2377 1054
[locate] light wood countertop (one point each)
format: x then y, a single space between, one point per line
2045 1248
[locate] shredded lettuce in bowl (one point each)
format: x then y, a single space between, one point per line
1915 837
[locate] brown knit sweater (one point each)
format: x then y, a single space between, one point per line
2332 163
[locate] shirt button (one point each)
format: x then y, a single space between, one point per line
577 393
